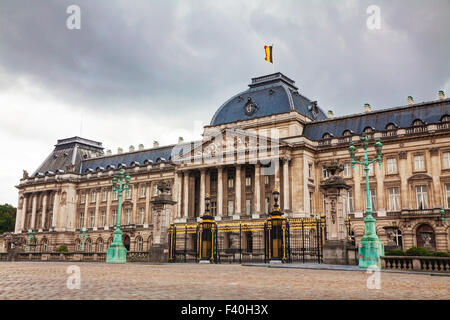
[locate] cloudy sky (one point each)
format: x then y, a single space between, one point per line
139 71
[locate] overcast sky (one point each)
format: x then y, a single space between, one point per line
139 71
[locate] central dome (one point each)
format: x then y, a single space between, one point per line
267 95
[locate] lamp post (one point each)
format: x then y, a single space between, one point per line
371 248
276 232
83 236
207 235
443 218
117 253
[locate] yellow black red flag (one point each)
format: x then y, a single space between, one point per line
268 50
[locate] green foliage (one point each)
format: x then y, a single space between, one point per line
7 218
62 248
417 251
394 253
440 254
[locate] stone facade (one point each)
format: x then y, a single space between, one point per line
238 164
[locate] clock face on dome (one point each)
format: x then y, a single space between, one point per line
250 107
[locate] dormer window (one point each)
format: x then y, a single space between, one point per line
326 136
347 133
391 126
368 130
445 118
417 123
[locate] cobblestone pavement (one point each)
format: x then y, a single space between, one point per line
47 280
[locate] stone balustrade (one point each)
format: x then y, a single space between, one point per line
423 264
132 256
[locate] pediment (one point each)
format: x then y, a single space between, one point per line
420 177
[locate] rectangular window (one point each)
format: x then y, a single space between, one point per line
213 207
373 200
422 197
325 173
128 193
114 217
248 207
419 162
105 195
230 207
83 198
213 182
230 182
394 199
392 165
446 159
115 195
103 218
128 216
347 170
92 219
349 201
143 192
310 171
266 180
94 196
371 169
155 189
141 215
81 222
267 206
447 192
248 181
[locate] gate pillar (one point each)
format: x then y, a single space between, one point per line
276 233
337 248
207 236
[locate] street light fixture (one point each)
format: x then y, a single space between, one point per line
117 253
370 248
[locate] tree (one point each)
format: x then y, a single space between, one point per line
7 218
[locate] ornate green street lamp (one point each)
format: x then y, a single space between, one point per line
207 235
83 236
31 237
443 218
117 253
370 248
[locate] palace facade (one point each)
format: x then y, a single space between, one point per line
268 136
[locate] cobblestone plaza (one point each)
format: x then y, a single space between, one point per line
37 280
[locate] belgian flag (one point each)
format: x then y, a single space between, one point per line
268 50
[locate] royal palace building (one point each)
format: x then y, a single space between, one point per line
267 137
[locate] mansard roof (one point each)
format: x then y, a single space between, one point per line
69 152
128 159
404 116
272 94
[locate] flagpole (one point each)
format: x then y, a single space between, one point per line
273 61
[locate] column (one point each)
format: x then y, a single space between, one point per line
186 194
286 190
403 178
134 198
277 173
147 203
237 196
55 210
358 197
24 212
435 173
86 204
220 191
44 211
108 208
33 212
202 191
257 189
178 181
380 197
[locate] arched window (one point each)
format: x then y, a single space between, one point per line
139 244
368 129
100 245
44 245
425 237
417 122
149 242
391 126
326 135
88 245
347 133
78 245
445 118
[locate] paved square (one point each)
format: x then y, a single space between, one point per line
47 280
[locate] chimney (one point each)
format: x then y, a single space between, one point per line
119 150
330 114
410 100
141 147
131 149
441 94
180 139
108 152
367 107
155 144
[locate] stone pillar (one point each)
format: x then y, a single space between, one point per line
403 179
202 191
380 197
109 222
97 215
358 197
33 212
220 192
257 190
134 199
55 210
435 173
24 212
277 173
44 211
178 188
186 194
147 203
286 189
238 189
86 204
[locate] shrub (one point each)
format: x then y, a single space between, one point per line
62 248
394 253
440 254
417 251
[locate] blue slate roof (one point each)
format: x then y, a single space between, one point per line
139 157
272 94
429 112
